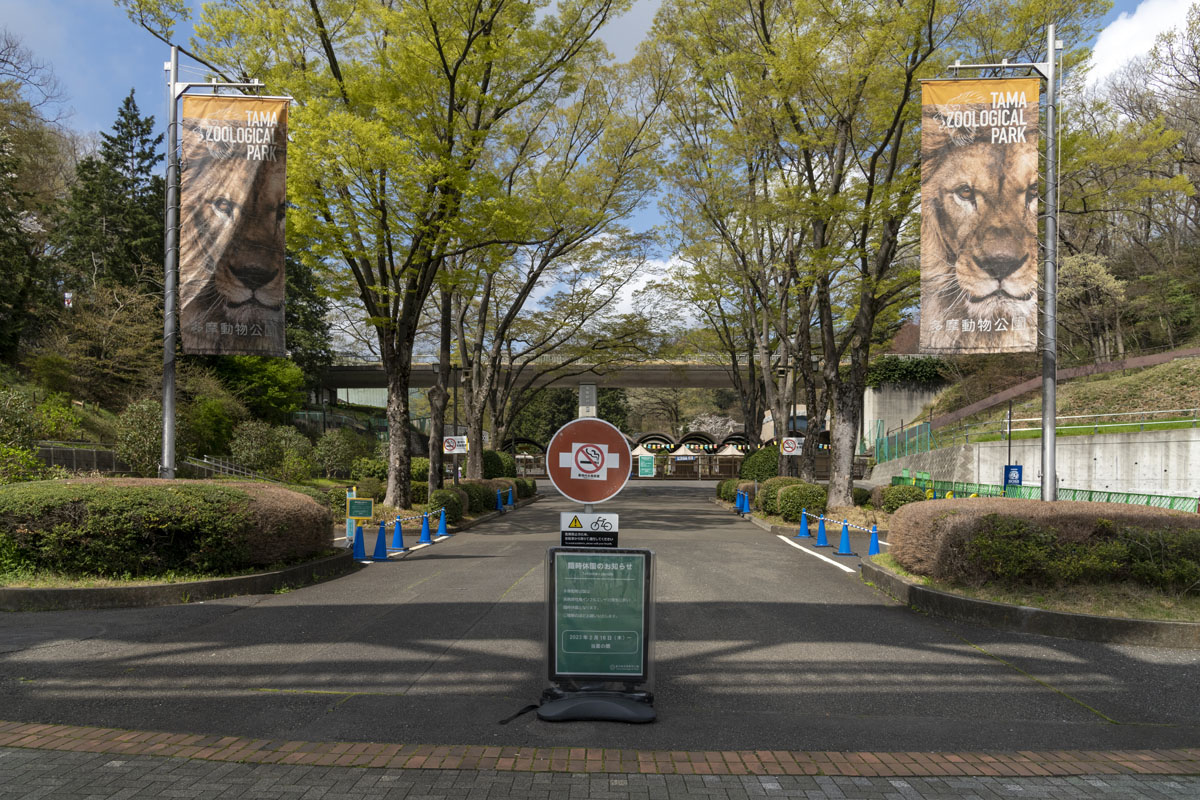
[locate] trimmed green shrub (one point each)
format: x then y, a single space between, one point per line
420 492
768 493
418 469
761 464
493 465
147 528
509 462
139 437
449 500
525 488
369 468
255 446
798 497
896 496
861 496
480 497
464 500
726 489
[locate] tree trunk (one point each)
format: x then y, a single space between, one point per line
398 365
439 397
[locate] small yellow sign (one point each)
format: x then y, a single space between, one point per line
575 523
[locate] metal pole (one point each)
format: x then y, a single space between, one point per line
456 373
1050 311
1008 435
166 469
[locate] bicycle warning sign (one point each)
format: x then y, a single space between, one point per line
588 530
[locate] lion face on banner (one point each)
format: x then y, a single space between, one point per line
978 238
231 252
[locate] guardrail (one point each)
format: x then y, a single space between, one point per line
963 489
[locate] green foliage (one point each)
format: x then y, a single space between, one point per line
271 388
481 498
799 497
861 496
1016 551
493 465
508 464
57 420
338 449
420 492
366 467
110 528
18 465
761 464
255 446
891 369
139 437
768 493
17 420
51 372
449 500
896 496
296 461
727 489
525 487
418 469
205 424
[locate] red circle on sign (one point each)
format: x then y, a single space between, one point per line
789 445
450 445
588 477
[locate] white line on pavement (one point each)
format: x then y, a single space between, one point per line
881 541
818 555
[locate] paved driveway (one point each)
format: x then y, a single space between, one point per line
759 645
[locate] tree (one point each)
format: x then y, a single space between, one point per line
271 388
112 228
305 321
139 437
406 119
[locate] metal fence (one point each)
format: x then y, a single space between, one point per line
962 489
906 442
80 457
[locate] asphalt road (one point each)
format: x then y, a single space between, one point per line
759 645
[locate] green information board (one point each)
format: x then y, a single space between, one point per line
600 613
645 466
360 508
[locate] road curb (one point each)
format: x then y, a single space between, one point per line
167 594
1023 619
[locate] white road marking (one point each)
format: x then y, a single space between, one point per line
889 544
842 567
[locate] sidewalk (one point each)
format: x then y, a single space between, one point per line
31 773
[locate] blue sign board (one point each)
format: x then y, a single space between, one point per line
1012 474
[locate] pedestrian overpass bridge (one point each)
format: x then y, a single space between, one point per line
646 375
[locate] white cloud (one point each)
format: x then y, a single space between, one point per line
1132 35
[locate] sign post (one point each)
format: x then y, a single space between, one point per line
599 598
600 605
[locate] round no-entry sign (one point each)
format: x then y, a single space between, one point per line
588 460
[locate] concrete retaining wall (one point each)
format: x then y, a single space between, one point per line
895 404
1156 462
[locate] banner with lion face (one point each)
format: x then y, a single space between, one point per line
979 210
232 208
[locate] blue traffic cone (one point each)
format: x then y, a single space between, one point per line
442 524
803 532
510 496
499 502
874 548
821 541
398 537
844 544
425 530
737 504
381 543
360 549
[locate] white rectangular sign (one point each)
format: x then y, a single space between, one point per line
791 445
590 523
454 444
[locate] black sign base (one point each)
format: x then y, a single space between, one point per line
597 707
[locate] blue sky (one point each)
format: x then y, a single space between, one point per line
98 54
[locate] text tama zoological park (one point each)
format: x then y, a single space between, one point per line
232 209
979 207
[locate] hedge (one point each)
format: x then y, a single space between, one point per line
1031 543
768 493
493 465
727 490
480 497
896 496
145 528
761 464
449 500
802 496
508 465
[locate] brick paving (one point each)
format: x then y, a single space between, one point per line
28 773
